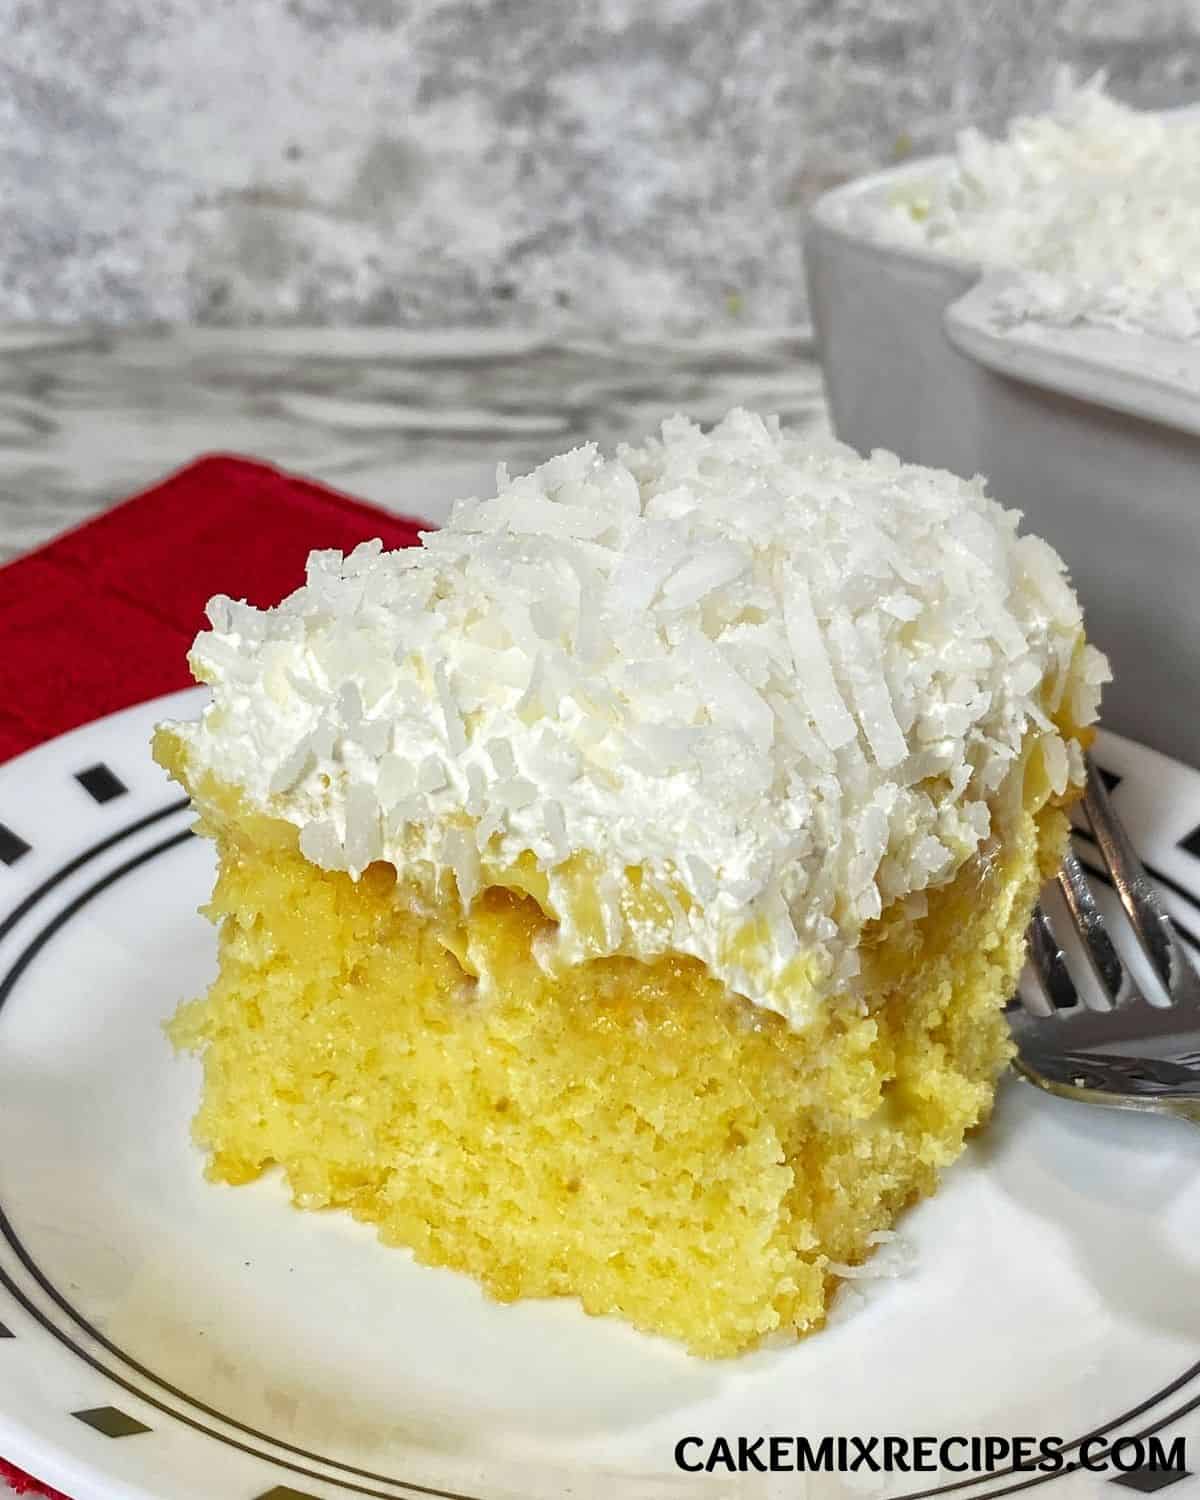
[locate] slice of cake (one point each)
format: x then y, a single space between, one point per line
619 893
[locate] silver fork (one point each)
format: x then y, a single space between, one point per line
1132 1054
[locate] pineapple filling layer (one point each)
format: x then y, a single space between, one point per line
629 1133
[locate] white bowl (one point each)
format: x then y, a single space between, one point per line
1095 437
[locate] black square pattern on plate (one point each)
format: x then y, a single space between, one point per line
6 1333
101 784
12 845
111 1421
1146 1481
285 1492
1192 842
1110 779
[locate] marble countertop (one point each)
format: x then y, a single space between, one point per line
409 420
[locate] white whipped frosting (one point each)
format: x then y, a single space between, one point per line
1094 204
732 659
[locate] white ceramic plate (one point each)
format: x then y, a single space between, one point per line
244 1350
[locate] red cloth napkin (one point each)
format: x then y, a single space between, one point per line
24 1484
102 617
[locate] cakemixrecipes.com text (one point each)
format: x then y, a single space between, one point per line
926 1455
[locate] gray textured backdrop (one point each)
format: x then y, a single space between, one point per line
610 163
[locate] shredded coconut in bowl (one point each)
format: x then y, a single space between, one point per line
1095 203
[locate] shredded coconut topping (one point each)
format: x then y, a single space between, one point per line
1097 204
782 683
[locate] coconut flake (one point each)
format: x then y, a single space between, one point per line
291 769
462 855
731 699
513 794
1058 767
699 575
362 841
431 775
456 737
319 842
813 668
501 754
395 782
556 829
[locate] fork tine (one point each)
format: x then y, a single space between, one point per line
1050 964
1143 906
1102 955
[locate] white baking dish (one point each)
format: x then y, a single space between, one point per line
1095 436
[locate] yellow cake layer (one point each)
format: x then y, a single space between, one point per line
627 1133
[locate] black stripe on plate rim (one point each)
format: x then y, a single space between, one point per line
47 885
